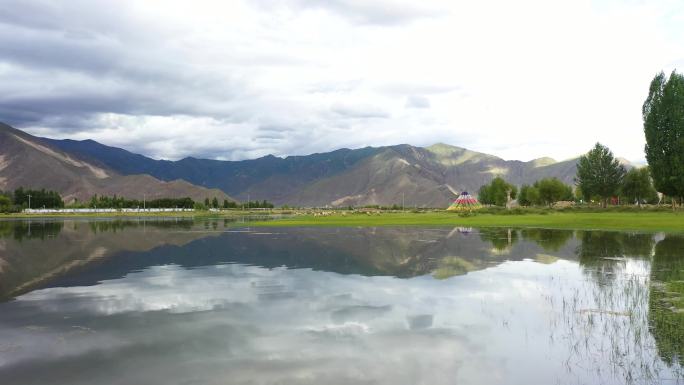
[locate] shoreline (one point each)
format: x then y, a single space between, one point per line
614 221
123 214
625 221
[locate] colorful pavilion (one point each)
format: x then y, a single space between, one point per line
465 202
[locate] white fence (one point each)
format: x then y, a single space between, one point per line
92 211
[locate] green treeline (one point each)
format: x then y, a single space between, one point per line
23 198
600 178
497 192
18 200
546 191
214 203
634 187
186 203
115 202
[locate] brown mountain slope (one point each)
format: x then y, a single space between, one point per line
430 176
382 179
27 161
417 176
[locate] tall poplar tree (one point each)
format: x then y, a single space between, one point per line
663 114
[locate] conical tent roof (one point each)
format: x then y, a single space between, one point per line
465 202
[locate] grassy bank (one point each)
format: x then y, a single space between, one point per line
639 221
179 214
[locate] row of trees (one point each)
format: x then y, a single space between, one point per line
543 192
546 191
258 205
214 203
497 192
37 198
115 202
104 201
599 177
21 198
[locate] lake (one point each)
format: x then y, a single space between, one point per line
179 301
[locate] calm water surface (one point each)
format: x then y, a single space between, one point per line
183 302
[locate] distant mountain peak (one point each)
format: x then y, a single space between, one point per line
450 156
544 161
624 162
441 147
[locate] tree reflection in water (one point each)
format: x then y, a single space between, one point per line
551 240
31 229
666 299
502 239
633 305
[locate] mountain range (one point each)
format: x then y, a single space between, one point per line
417 176
32 162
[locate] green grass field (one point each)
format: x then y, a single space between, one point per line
605 220
646 221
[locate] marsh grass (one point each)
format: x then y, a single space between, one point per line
608 322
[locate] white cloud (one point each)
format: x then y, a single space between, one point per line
417 101
170 78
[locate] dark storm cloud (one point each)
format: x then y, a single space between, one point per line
70 61
109 71
71 103
57 50
50 16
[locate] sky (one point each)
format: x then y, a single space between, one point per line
242 79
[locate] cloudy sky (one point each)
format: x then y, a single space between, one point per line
240 79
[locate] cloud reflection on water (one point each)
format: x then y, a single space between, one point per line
505 323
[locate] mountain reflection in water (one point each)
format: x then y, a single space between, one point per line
180 302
